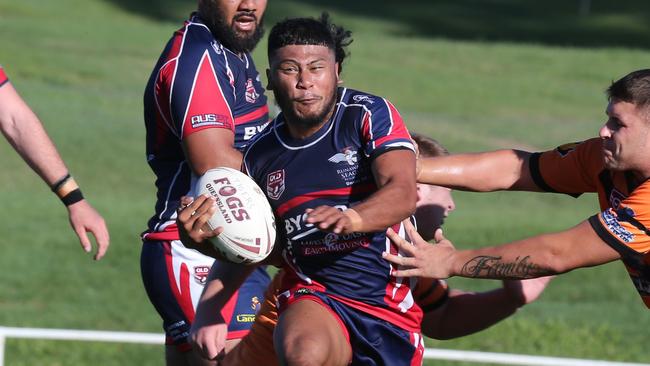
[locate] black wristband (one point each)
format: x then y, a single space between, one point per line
55 187
72 197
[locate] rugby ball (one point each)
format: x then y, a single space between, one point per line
243 211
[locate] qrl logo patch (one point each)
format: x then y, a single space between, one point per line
201 274
251 93
275 184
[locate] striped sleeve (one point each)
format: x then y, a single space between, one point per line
628 226
383 129
571 168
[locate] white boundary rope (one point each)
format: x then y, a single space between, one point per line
154 338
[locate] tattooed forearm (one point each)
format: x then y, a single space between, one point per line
495 267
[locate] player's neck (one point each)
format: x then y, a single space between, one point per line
300 132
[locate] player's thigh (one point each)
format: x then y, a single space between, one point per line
308 332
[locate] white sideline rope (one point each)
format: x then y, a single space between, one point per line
154 338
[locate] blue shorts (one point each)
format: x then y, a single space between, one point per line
373 341
174 277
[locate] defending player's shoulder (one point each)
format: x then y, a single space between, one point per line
571 168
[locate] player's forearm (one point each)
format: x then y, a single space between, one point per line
223 281
26 134
480 172
528 258
390 205
467 313
537 256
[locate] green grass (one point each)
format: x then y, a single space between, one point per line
475 75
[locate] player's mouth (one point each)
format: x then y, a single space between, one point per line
308 100
245 22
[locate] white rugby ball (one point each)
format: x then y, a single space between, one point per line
244 213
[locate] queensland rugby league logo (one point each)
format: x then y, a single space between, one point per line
251 93
275 184
201 274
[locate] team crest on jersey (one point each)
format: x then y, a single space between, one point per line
565 149
275 184
347 155
251 93
201 274
363 98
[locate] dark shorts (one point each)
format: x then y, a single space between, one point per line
174 277
373 341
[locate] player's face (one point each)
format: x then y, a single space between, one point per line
238 23
626 137
432 207
304 80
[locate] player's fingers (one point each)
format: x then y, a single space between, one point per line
201 220
80 230
403 245
186 201
437 236
399 260
411 272
102 238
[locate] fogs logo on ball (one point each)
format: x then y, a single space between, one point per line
275 184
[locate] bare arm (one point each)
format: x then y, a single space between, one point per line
211 148
26 134
466 313
537 256
394 173
209 329
481 172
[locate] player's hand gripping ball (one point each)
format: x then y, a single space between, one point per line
244 213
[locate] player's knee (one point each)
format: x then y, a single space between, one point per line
306 351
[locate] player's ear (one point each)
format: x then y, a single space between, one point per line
338 74
269 83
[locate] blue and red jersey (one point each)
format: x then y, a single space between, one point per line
197 84
3 76
333 168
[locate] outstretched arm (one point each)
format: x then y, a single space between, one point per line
480 172
537 256
466 313
26 134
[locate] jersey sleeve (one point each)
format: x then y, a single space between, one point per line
3 77
430 293
382 129
199 93
570 168
626 228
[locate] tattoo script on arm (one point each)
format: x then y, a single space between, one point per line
494 267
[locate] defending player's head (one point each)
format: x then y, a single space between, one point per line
434 202
305 59
235 23
626 134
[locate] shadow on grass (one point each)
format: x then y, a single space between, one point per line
581 23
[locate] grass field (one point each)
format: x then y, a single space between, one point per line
474 74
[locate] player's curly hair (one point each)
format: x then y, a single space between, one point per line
310 31
632 88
